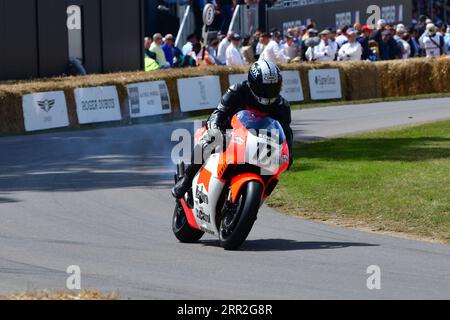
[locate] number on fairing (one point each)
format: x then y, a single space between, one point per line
263 151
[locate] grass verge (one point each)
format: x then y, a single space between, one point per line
388 181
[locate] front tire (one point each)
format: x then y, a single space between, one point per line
247 212
181 228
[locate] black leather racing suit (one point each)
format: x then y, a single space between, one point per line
238 98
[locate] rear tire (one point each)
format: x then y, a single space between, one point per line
181 228
250 201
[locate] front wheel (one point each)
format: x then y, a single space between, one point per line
181 228
238 222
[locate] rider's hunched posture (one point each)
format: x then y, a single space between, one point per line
261 94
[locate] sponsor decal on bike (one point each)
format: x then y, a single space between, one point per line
203 216
201 196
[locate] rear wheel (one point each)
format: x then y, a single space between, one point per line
181 228
238 221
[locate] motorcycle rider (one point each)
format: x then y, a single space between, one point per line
260 94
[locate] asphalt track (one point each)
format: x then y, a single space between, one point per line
100 199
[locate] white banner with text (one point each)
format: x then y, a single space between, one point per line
325 84
148 99
99 104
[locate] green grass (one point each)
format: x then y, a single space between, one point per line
395 180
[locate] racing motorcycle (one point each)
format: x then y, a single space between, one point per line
232 185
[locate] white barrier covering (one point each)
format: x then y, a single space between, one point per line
200 93
292 86
292 89
325 84
45 110
98 104
148 99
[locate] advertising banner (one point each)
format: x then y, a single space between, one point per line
98 104
148 99
325 84
45 110
200 93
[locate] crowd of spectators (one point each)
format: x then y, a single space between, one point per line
304 44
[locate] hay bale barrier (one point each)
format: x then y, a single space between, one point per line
360 80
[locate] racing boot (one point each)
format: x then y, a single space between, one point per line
185 183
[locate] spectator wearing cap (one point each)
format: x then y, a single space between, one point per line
325 51
363 40
377 35
168 48
233 53
156 48
222 51
290 48
401 36
352 50
272 51
311 33
388 47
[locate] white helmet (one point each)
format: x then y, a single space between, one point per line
431 29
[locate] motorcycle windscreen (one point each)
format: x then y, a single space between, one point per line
265 138
261 125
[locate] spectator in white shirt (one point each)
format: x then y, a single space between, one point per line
342 38
352 50
233 54
325 51
272 51
432 42
189 46
290 47
222 50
